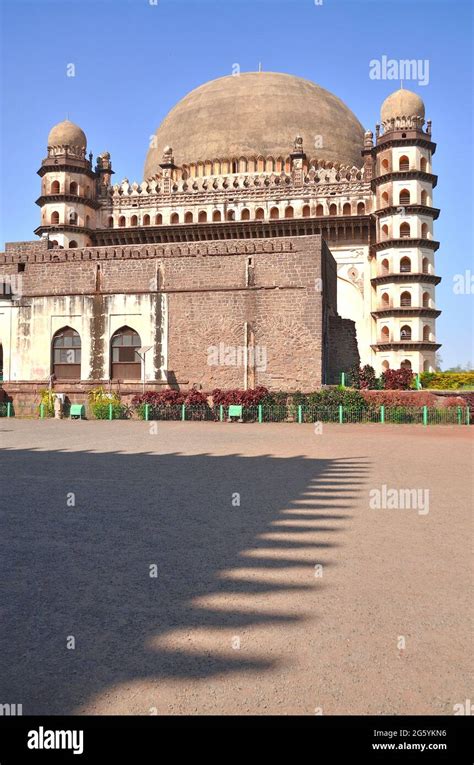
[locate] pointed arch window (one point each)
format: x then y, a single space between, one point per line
67 354
126 364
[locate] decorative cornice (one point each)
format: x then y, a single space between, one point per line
387 244
406 278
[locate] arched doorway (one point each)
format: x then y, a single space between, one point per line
126 364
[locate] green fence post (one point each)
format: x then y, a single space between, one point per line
111 411
221 412
340 412
425 415
382 414
147 412
418 382
42 411
183 412
459 415
260 413
9 409
468 415
300 413
343 379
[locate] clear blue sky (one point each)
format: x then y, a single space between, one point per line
135 59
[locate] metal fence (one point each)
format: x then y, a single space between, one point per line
304 413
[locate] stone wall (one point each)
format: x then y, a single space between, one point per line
198 305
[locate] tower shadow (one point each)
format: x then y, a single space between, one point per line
88 571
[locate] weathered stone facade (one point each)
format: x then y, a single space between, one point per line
276 295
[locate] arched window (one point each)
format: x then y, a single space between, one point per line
134 220
67 354
385 267
426 299
88 220
405 332
405 265
126 364
245 215
72 244
406 364
259 213
274 213
216 216
73 187
54 243
319 211
424 198
385 334
72 216
188 217
425 266
146 220
122 221
306 211
426 333
289 212
423 164
385 166
385 365
230 215
333 209
55 187
404 163
404 197
405 300
174 218
361 208
385 300
54 218
426 366
110 221
385 199
424 231
235 167
158 219
405 231
385 233
202 217
346 210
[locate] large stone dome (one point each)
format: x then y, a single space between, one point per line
257 113
66 133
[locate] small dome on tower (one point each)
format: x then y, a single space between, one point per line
66 133
402 103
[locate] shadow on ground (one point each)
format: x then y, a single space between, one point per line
84 570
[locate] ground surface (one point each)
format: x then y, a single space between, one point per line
238 619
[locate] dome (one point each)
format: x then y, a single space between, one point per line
402 103
66 133
257 113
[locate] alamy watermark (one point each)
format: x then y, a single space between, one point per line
415 69
400 499
255 356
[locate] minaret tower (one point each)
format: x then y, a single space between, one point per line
68 198
403 266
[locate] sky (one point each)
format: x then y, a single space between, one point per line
134 59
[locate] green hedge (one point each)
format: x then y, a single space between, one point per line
447 380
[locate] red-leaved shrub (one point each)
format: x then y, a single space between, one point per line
250 397
376 398
397 379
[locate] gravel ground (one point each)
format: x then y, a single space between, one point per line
278 589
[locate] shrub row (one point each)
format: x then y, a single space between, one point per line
447 380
